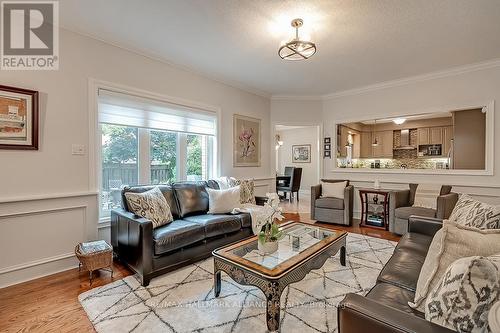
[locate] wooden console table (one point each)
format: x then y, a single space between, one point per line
374 208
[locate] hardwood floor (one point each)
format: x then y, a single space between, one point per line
50 304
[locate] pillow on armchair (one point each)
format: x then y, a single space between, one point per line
333 190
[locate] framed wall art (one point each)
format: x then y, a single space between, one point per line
301 153
18 118
246 141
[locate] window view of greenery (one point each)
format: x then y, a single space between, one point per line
194 170
119 163
163 157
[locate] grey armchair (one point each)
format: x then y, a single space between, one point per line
401 207
332 210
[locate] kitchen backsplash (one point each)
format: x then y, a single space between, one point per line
397 163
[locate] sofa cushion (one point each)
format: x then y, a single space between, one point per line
216 225
331 203
167 191
245 219
192 197
404 266
405 212
394 297
176 235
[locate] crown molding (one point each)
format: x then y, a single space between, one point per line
296 97
162 60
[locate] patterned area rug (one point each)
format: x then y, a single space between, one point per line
183 301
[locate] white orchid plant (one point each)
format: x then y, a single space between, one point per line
269 230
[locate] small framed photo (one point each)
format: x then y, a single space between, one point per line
327 140
328 147
301 153
328 153
18 118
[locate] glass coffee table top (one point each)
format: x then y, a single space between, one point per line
300 240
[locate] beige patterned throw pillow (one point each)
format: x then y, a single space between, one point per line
450 243
464 295
247 189
472 213
151 205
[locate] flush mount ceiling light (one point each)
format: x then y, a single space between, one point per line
297 49
399 121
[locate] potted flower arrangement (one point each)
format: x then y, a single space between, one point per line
270 232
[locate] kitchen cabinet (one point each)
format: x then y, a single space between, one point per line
436 135
366 145
385 144
423 135
342 141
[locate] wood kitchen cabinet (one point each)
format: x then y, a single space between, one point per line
385 144
366 145
343 140
423 135
436 135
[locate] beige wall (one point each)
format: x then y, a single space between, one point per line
300 136
47 204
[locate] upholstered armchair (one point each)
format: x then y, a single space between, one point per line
401 207
332 210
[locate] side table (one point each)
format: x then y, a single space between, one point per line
374 208
95 255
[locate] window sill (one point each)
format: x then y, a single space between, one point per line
104 222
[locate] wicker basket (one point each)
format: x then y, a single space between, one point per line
94 260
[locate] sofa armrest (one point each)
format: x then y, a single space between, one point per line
315 194
445 205
360 314
348 204
424 225
400 198
132 240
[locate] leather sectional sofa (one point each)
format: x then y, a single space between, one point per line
192 236
385 308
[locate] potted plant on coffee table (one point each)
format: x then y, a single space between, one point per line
270 233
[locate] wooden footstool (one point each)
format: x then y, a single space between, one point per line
95 255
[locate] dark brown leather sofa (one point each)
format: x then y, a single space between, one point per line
192 236
385 308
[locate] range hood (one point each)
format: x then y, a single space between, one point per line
405 140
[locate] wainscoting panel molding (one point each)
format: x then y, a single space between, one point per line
40 234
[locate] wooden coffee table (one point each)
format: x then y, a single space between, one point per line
303 248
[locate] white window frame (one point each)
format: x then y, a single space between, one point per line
95 145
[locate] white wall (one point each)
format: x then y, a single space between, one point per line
39 224
469 88
300 136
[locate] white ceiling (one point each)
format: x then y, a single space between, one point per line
360 42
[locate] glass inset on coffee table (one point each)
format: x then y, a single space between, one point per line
303 248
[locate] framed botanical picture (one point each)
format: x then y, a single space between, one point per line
246 141
328 153
328 147
327 140
301 153
18 118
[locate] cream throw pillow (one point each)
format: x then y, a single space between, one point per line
333 190
464 295
223 201
151 205
450 243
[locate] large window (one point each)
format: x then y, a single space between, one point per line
144 142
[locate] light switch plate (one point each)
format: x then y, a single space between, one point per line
77 149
